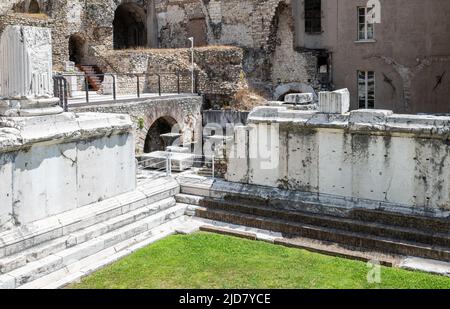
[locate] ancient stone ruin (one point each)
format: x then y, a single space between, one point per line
115 132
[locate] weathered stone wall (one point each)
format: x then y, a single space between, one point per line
185 111
219 70
373 159
263 29
53 164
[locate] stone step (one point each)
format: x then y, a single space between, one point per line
311 203
43 231
358 241
35 270
20 259
350 225
90 264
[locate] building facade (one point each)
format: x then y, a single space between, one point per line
399 61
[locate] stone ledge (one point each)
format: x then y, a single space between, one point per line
371 121
23 132
21 238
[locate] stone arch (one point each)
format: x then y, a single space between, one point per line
77 47
130 26
284 89
162 125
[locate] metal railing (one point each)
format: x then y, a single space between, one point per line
122 84
163 166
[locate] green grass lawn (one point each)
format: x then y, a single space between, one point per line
204 260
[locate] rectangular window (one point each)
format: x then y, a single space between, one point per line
365 29
366 89
313 16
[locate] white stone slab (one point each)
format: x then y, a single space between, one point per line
299 98
336 102
426 265
106 168
26 70
43 182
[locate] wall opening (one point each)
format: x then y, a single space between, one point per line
77 45
31 7
197 29
130 29
154 141
34 8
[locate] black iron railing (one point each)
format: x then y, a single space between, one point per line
122 84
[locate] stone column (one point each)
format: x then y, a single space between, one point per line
26 84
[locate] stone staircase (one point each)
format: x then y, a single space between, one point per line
359 230
92 73
82 240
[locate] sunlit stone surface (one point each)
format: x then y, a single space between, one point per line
26 72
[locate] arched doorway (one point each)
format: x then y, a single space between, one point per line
129 25
76 48
33 7
154 141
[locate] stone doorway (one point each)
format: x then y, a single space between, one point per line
34 8
77 45
197 29
154 141
130 29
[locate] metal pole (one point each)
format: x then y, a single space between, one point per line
138 87
192 66
169 163
213 167
178 82
65 102
159 85
114 87
86 86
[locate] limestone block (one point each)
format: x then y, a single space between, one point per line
25 69
370 116
56 163
336 102
7 282
106 167
301 163
265 154
108 85
299 98
44 182
237 154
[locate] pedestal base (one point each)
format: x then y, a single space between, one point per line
56 163
29 107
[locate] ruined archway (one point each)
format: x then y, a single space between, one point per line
77 45
28 6
34 7
154 141
130 26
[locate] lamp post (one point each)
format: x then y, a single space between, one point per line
192 66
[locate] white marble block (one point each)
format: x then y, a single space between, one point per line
336 102
299 98
56 163
26 71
